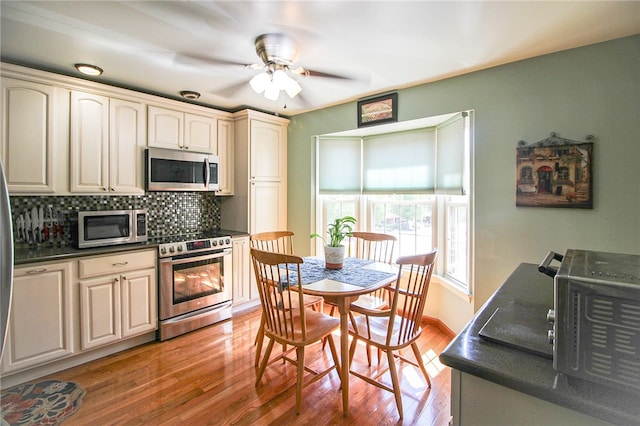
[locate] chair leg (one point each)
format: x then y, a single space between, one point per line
265 360
418 356
299 383
259 340
334 354
394 381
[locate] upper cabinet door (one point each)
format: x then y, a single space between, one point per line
89 143
27 136
127 123
225 152
267 150
200 133
165 128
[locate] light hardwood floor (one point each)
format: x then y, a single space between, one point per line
207 377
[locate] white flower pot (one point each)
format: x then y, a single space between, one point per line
334 257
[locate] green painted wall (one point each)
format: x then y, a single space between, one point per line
590 90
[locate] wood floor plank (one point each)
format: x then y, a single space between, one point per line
207 377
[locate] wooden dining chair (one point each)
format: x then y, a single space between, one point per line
379 248
287 320
398 327
278 242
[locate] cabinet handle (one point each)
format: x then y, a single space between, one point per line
37 271
120 263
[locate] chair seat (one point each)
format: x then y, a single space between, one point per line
375 330
318 325
368 302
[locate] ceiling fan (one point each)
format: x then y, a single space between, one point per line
278 53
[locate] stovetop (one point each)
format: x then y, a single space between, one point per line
175 245
166 239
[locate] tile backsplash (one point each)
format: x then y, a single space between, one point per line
170 213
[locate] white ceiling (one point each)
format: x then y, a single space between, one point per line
159 46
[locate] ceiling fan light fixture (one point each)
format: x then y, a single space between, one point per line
260 82
88 69
271 92
292 88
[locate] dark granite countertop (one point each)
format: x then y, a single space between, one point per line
26 255
525 371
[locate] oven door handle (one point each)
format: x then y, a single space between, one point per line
196 258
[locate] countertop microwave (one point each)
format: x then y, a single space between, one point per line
172 170
108 227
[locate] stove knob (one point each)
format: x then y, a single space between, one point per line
551 335
171 249
163 250
179 249
214 243
227 241
551 316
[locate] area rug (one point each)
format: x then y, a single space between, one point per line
44 403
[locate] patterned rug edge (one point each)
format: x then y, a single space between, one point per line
47 402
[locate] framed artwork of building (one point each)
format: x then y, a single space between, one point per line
554 172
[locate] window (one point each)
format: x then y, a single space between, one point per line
412 184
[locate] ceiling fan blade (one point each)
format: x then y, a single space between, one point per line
312 73
230 91
199 60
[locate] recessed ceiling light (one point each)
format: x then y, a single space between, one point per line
190 94
89 69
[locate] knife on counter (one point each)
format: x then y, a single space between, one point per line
34 223
27 227
41 224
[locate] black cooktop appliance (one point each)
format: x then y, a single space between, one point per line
194 283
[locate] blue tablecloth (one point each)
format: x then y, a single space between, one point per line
313 269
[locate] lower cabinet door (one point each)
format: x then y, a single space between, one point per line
139 306
100 311
40 323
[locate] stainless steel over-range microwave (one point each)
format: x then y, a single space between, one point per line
172 170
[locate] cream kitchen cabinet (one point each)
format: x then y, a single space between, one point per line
34 136
42 316
173 129
118 297
107 145
259 203
225 152
244 289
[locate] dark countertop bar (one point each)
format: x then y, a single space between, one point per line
531 373
24 256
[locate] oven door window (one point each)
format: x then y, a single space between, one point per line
197 279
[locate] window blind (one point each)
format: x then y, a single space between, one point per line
399 162
450 156
339 165
427 160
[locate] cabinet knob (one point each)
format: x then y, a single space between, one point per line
104 189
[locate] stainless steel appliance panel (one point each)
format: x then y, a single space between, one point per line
597 318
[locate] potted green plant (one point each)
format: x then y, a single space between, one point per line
337 232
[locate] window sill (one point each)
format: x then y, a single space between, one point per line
451 287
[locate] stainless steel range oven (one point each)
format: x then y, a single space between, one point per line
194 284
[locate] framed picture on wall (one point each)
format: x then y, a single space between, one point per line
554 172
379 110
